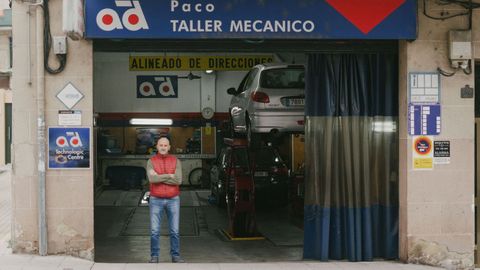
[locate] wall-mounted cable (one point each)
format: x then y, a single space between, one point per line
442 17
445 73
62 58
459 40
466 68
469 5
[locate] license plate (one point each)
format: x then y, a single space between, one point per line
296 102
260 174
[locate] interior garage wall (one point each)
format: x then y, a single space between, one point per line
437 206
69 193
226 80
115 87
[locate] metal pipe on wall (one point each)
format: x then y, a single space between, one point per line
42 218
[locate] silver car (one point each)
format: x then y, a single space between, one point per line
270 98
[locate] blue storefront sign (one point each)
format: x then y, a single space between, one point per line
271 19
68 148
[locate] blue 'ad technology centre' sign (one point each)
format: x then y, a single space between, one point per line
68 148
302 19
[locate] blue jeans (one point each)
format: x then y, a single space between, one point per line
172 207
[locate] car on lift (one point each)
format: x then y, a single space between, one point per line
270 98
270 173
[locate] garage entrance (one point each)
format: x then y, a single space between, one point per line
363 133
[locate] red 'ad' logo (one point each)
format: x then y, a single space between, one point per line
133 19
72 139
365 14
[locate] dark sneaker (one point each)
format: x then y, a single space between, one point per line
153 259
177 260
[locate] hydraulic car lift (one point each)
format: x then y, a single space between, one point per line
240 193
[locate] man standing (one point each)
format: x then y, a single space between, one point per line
165 176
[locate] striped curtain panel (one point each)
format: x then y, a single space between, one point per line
351 168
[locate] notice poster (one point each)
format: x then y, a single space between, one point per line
424 119
422 153
69 118
441 152
68 148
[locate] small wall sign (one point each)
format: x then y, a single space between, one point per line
69 96
68 148
69 118
422 153
424 88
441 152
424 119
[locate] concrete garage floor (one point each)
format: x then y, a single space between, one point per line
122 232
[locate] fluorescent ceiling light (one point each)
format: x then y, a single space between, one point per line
151 121
384 126
209 71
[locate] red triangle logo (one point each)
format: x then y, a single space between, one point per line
365 14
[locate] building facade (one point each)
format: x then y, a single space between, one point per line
436 204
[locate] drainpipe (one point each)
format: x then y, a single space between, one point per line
42 218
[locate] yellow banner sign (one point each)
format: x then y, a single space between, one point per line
173 63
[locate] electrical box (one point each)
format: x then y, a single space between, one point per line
460 47
60 45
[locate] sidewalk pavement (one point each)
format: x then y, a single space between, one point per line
31 262
9 261
5 208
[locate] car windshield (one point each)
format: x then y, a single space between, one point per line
267 157
283 78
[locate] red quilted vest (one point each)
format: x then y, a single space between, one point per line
164 164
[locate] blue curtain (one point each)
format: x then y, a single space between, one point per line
351 164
